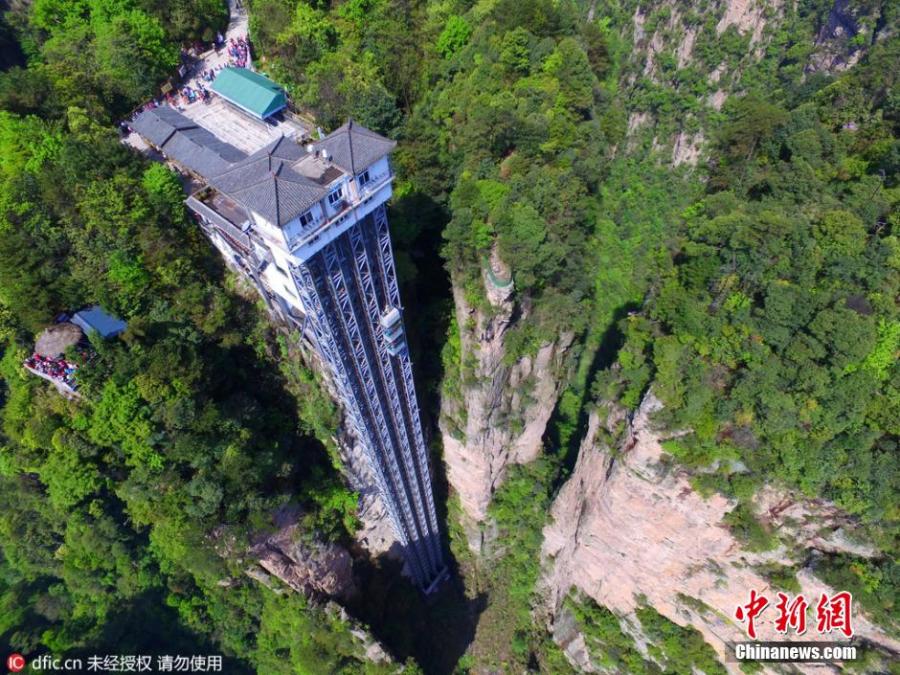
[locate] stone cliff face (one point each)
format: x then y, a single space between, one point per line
671 42
627 528
376 534
320 569
503 409
845 35
667 35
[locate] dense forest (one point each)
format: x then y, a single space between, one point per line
119 510
755 292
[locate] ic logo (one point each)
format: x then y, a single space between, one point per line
15 662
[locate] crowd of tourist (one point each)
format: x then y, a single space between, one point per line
238 51
56 369
190 94
195 89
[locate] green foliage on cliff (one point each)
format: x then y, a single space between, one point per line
292 640
874 582
125 514
773 334
521 161
608 645
671 648
681 649
507 637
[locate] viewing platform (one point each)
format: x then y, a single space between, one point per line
229 217
498 278
69 335
239 129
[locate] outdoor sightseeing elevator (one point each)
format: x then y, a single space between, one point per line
307 225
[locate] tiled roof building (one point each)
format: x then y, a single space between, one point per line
306 224
184 141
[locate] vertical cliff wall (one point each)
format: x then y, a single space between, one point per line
696 55
502 409
627 529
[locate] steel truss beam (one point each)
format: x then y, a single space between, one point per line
400 419
389 274
345 288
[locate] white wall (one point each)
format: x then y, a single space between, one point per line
282 284
268 230
334 210
293 229
338 227
377 173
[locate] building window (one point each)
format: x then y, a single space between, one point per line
278 267
363 178
306 219
336 195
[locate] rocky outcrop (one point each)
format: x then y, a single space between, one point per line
502 409
284 561
846 33
687 148
322 569
748 16
667 37
372 650
628 528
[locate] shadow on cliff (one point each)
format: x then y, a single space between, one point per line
566 435
435 630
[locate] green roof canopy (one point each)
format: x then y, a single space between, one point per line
250 91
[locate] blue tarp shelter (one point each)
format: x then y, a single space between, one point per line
95 319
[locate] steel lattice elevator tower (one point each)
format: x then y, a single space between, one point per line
306 225
350 288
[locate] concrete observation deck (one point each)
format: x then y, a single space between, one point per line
237 128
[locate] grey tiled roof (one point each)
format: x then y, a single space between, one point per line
201 152
266 184
201 136
285 148
352 147
185 142
158 124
